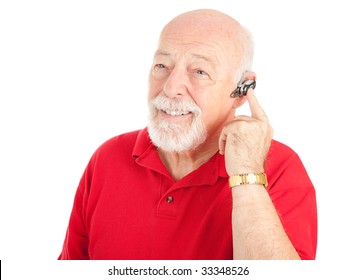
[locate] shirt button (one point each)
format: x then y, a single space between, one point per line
169 199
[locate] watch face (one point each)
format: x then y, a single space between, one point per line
251 179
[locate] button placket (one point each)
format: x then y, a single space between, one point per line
169 204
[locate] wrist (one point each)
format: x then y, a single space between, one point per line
245 169
248 179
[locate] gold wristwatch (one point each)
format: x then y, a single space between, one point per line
248 179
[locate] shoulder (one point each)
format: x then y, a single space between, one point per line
125 141
119 146
280 153
280 148
283 164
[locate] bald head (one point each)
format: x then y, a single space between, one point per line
205 20
216 28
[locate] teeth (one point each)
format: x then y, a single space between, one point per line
176 113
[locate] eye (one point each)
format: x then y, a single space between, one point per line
159 66
201 72
160 70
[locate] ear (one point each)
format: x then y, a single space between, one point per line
248 75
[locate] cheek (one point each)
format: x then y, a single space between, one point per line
217 110
210 111
215 103
154 87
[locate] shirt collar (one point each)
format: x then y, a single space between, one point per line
147 156
143 142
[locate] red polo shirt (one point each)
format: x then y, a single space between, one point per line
127 205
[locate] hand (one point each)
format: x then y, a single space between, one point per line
246 140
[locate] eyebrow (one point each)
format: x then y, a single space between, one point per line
203 57
194 55
162 52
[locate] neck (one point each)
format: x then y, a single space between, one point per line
180 164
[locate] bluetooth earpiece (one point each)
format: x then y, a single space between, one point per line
243 88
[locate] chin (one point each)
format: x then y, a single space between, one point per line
176 137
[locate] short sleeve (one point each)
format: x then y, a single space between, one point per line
294 197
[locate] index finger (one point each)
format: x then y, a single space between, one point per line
257 111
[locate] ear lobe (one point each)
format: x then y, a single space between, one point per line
239 101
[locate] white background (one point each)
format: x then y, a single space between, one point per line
74 73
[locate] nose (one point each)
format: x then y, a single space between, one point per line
176 83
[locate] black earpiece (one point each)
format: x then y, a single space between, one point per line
242 88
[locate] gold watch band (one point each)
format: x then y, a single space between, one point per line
247 179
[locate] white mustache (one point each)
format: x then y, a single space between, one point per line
179 106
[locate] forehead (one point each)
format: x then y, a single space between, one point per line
196 47
197 54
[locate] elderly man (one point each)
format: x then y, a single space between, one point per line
200 182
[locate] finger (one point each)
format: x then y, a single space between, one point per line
255 107
226 130
242 118
222 141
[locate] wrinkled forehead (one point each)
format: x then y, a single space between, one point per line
211 48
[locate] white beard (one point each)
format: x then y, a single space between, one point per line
174 137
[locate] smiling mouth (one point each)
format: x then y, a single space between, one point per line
176 113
